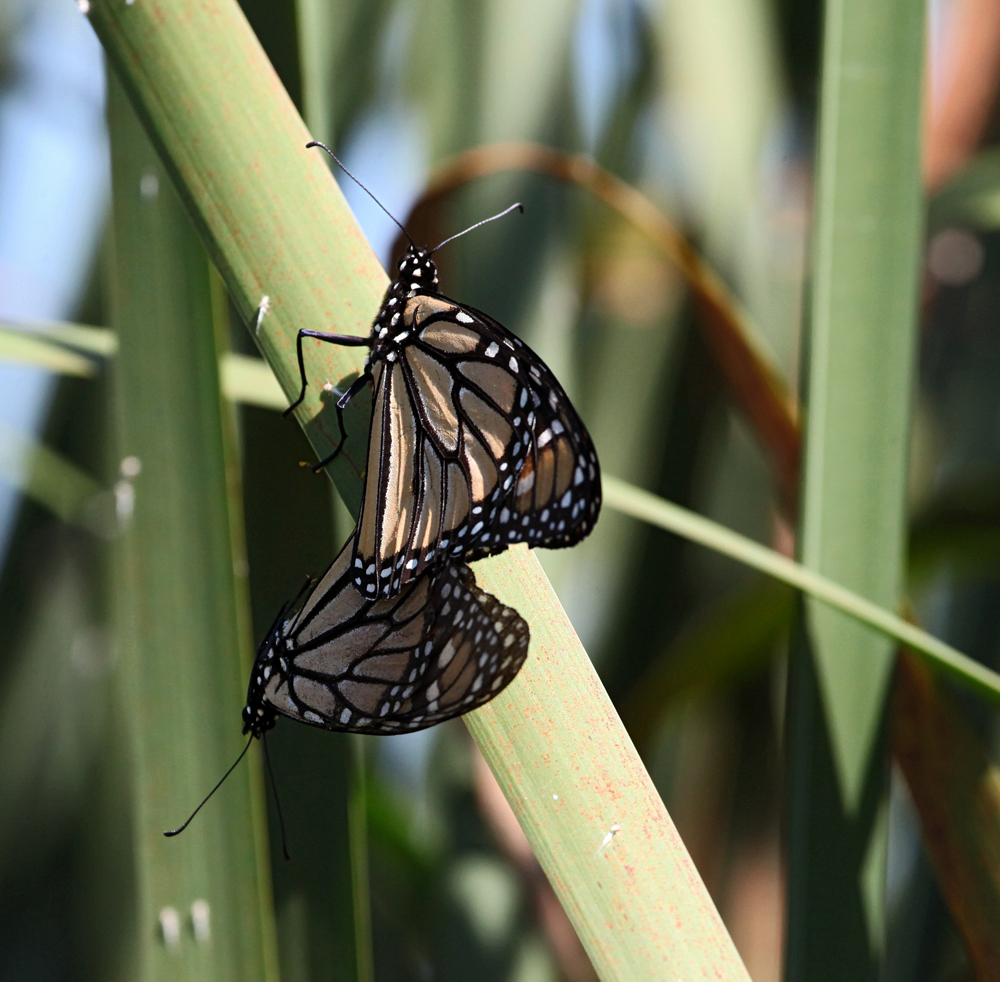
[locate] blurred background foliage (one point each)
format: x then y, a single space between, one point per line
707 106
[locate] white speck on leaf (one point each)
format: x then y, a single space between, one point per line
124 500
149 186
200 920
263 309
170 926
606 841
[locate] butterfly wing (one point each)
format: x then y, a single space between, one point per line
554 498
474 446
439 649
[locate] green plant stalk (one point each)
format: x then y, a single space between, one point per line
92 340
858 373
648 507
20 346
177 611
244 379
251 381
276 225
58 484
357 818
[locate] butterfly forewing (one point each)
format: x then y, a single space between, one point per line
474 446
439 648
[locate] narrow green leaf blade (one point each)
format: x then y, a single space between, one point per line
204 896
858 375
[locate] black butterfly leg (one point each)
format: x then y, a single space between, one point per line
359 383
350 340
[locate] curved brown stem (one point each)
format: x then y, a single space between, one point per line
753 379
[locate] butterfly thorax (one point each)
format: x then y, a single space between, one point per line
415 273
258 714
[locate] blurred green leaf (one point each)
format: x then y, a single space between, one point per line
858 376
959 530
92 340
727 642
251 381
204 897
53 481
972 197
20 346
642 504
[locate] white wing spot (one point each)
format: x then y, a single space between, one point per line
492 350
463 318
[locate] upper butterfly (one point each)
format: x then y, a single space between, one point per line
474 445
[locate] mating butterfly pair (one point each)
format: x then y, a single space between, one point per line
473 446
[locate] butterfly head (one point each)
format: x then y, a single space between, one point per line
416 272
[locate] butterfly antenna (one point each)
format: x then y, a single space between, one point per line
485 221
210 793
316 143
277 800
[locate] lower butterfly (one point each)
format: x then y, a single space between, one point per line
337 660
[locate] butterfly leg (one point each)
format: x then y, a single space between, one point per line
350 340
359 383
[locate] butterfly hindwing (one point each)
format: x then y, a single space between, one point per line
474 446
438 649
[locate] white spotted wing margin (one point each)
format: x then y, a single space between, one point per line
339 661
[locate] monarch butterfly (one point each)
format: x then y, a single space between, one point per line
337 660
473 446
